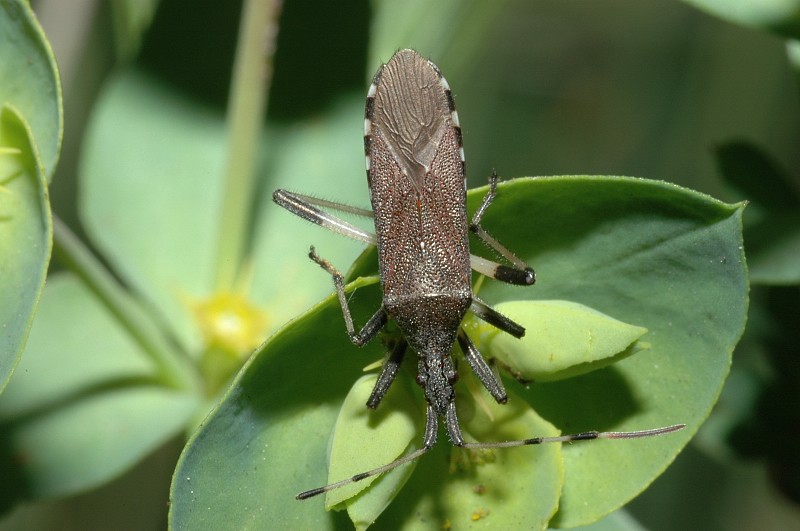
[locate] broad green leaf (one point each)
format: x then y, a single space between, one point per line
150 171
74 345
562 340
619 520
779 16
756 175
644 252
29 79
629 248
287 432
793 53
25 236
776 250
363 439
151 176
284 280
268 439
447 31
90 439
773 229
476 481
131 20
82 405
515 488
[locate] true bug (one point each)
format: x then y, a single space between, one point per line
417 183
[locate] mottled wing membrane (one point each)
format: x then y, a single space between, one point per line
416 179
411 111
422 245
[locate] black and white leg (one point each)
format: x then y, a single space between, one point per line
375 323
388 373
307 207
495 318
481 368
484 372
518 272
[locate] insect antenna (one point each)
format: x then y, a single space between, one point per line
584 436
364 475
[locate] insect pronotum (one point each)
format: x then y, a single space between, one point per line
417 184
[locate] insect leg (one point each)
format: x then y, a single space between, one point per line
306 207
518 272
375 323
495 318
388 374
429 439
481 369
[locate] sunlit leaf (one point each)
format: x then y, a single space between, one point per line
80 409
29 79
644 252
562 340
779 16
25 236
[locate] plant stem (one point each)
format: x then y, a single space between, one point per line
175 370
252 73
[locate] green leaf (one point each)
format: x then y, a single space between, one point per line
756 175
619 520
772 231
515 488
777 262
275 424
779 16
26 234
29 79
284 280
80 409
645 252
562 340
131 20
150 185
448 31
365 439
773 245
139 209
292 448
69 350
476 480
90 439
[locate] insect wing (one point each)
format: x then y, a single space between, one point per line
416 178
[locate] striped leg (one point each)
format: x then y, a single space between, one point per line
518 272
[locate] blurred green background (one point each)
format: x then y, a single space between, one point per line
647 88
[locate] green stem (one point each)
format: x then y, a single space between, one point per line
252 73
174 369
